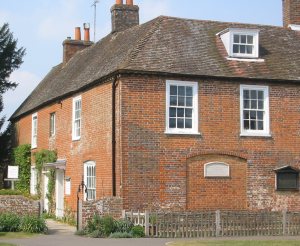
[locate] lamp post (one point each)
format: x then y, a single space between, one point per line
81 187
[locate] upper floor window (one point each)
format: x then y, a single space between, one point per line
241 43
182 107
52 124
90 180
76 126
34 131
254 102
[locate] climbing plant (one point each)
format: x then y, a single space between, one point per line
22 158
41 157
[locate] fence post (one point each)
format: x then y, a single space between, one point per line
284 221
218 223
123 214
147 221
79 226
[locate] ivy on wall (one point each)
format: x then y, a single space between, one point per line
42 157
22 158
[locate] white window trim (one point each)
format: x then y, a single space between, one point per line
85 166
217 163
255 133
33 180
194 130
254 33
74 137
54 125
33 135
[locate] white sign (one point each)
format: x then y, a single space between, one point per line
13 172
68 187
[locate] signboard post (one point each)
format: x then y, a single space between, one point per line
12 175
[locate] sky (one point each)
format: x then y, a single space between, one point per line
42 25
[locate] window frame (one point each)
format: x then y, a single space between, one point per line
74 120
89 164
247 32
52 130
286 170
34 130
266 117
194 129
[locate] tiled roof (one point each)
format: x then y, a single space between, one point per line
171 46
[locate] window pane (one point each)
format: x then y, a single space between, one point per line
246 124
188 123
189 102
180 123
188 113
260 125
172 112
246 114
253 115
260 104
249 49
253 125
172 123
243 39
180 112
260 115
189 91
260 95
287 180
236 38
173 90
246 103
253 104
181 90
249 39
246 94
173 100
235 48
181 101
242 49
253 94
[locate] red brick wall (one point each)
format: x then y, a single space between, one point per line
94 145
155 173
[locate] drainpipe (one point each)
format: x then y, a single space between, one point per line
113 136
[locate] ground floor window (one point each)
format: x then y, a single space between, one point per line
90 180
287 178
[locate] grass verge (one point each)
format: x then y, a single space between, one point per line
7 244
237 243
16 235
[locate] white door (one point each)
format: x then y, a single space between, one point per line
46 201
59 184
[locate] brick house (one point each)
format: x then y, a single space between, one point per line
173 114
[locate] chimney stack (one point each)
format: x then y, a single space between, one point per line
72 46
124 16
291 13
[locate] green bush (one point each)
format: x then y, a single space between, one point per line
120 235
33 224
80 233
123 225
5 192
137 231
103 226
96 234
9 222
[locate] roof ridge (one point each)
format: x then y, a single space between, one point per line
142 42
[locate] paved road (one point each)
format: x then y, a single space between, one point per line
63 235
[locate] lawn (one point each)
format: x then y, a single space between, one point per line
237 243
7 244
15 235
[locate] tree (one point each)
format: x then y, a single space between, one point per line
11 59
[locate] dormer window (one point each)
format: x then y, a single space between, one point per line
241 43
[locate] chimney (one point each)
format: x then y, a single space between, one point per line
72 46
124 16
291 13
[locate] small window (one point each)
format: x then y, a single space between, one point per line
216 169
182 107
76 128
254 110
90 180
287 178
52 124
34 131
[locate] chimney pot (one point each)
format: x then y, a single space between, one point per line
119 2
77 33
129 2
86 27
